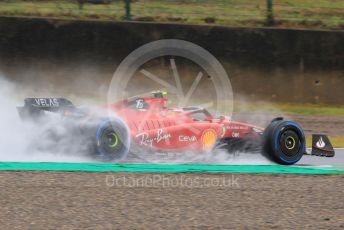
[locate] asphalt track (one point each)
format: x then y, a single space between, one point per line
337 160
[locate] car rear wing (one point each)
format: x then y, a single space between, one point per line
35 107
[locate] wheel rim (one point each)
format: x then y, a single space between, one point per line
112 140
290 143
109 142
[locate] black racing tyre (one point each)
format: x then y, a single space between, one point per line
112 140
284 142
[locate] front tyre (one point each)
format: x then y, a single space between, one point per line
112 140
284 142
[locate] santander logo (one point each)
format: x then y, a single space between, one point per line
320 143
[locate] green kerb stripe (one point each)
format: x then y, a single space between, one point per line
167 168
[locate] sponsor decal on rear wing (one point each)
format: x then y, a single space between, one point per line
48 103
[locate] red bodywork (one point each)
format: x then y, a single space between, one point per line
152 124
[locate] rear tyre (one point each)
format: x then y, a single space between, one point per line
112 140
284 142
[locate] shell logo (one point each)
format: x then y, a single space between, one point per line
208 139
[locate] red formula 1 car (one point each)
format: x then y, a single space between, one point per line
139 124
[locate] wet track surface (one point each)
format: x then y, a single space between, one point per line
212 158
337 160
256 159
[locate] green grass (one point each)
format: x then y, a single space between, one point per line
288 13
291 109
